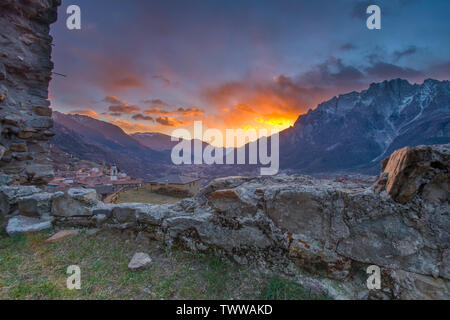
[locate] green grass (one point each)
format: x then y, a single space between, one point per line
217 275
142 195
278 288
30 268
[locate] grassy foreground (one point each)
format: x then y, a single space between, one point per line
30 268
142 195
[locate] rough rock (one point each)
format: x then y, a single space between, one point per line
402 285
330 229
74 203
25 72
39 173
36 205
232 202
5 179
422 170
318 260
2 151
20 225
140 261
10 195
62 235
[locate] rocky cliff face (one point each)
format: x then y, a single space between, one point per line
25 72
354 132
330 230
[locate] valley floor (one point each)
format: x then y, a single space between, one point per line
30 268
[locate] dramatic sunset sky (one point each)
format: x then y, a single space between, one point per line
159 65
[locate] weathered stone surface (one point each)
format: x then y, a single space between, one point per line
20 225
74 203
9 196
295 209
2 151
25 72
413 286
39 173
391 243
18 147
318 260
233 202
332 229
153 214
125 214
5 179
62 235
140 261
42 111
36 205
424 170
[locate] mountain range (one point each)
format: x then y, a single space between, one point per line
155 140
348 134
95 140
354 131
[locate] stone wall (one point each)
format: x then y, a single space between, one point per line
331 230
25 73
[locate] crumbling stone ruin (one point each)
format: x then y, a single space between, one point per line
327 231
330 230
25 72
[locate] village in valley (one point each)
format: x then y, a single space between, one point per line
110 182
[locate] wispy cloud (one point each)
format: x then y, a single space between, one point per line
140 116
169 122
406 52
86 112
120 106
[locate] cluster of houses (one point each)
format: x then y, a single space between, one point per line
108 180
105 181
